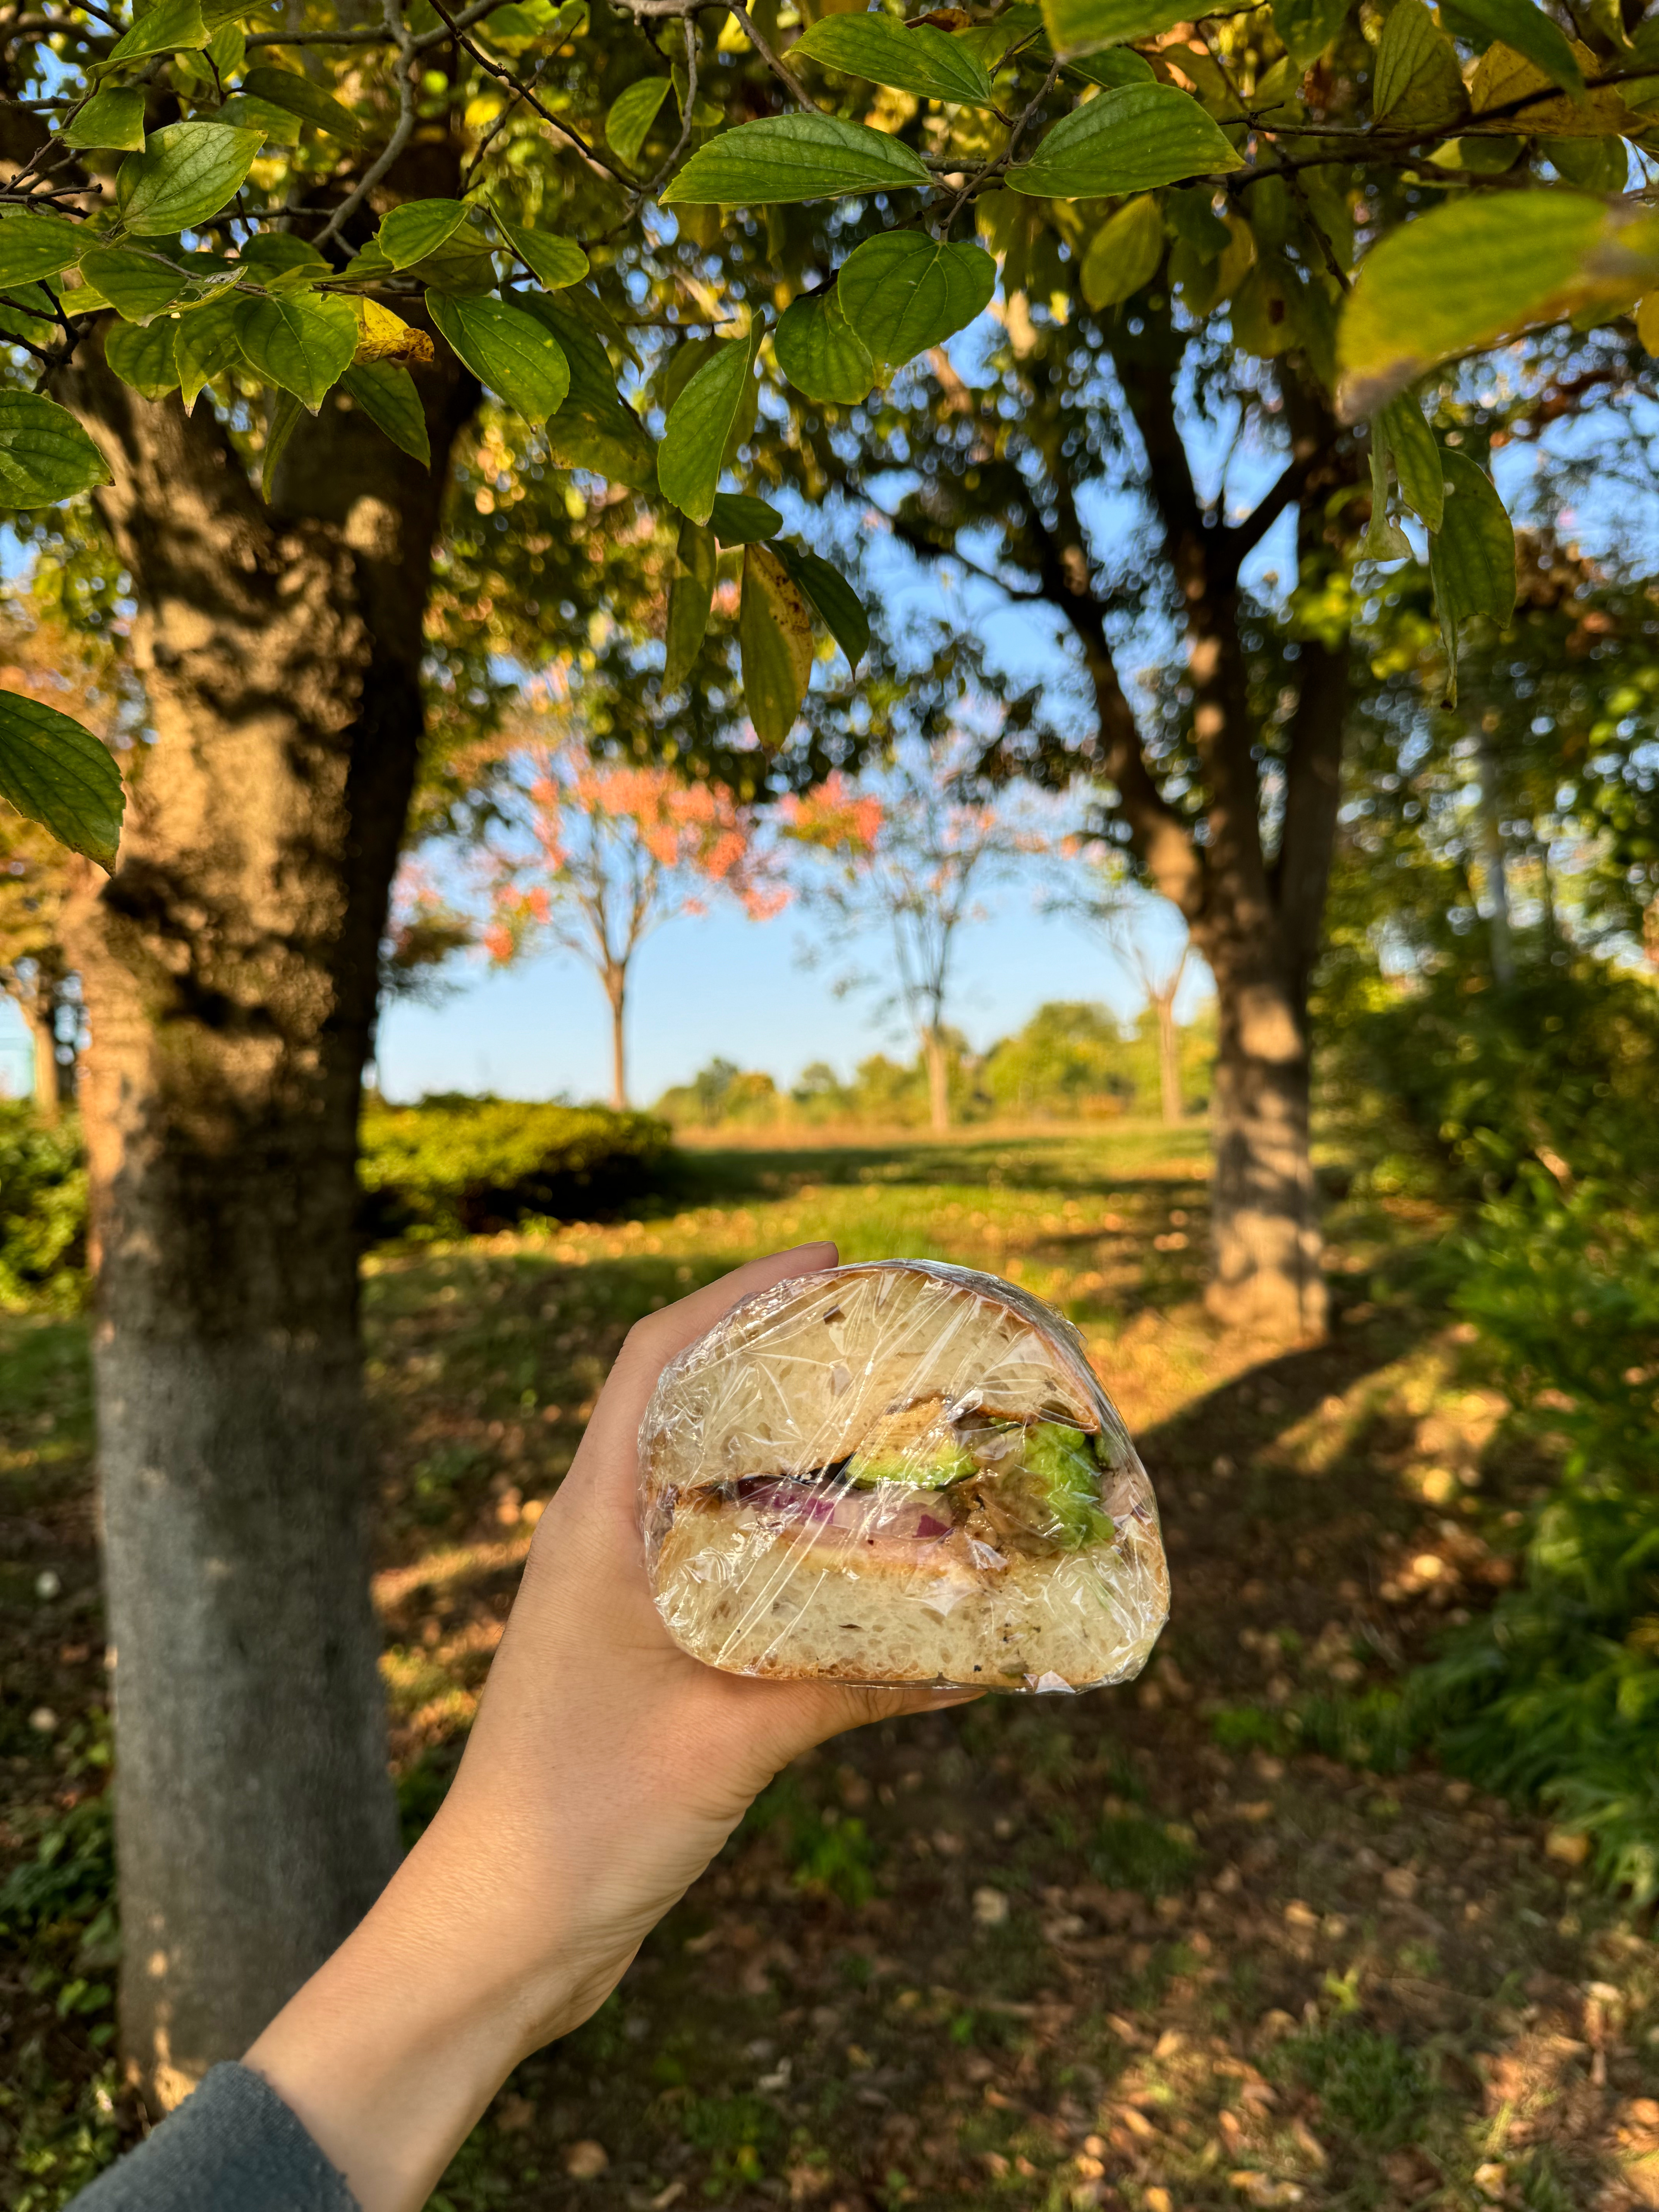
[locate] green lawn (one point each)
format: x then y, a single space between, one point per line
1147 1948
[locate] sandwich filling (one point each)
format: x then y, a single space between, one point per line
943 1485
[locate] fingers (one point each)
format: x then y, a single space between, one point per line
652 1342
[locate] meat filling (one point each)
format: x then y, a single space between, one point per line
1001 1488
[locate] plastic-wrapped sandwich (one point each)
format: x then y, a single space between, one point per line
899 1472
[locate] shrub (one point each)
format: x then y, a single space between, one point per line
454 1166
43 1209
1458 1086
1555 1695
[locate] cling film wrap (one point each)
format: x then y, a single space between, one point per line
903 1472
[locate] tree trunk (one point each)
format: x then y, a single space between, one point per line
935 1054
1264 1218
1493 863
1169 1058
230 967
42 1013
616 987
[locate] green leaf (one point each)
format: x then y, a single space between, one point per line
738 518
700 425
819 352
36 245
774 638
462 266
1481 269
631 114
278 250
1471 557
176 26
44 454
553 261
185 173
303 343
795 157
837 604
206 345
141 355
915 59
1416 68
690 596
386 392
1417 463
418 228
1123 254
1526 29
287 89
1306 27
1083 27
1127 141
287 413
903 292
275 125
113 117
592 428
1189 217
30 310
137 285
1112 67
56 774
584 301
513 352
1384 540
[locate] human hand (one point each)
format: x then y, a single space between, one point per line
604 1771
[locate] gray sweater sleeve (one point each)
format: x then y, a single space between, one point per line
232 2147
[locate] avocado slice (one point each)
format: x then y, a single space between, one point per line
946 1463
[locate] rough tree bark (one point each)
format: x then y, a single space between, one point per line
230 967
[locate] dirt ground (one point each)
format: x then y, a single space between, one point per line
1161 1947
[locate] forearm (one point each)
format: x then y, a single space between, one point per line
393 2050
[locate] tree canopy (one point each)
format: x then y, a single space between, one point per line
665 225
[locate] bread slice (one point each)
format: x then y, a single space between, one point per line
873 1361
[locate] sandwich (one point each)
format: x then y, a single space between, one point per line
899 1473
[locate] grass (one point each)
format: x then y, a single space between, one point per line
1216 1940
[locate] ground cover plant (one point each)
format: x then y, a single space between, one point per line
1171 1948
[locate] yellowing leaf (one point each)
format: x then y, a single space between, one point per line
775 637
1502 77
1480 270
382 336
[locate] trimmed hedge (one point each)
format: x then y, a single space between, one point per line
43 1209
454 1166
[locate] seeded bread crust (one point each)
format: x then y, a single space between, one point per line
795 1381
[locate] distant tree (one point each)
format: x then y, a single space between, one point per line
598 857
908 856
723 1094
1068 1057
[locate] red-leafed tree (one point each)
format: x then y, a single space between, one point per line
600 856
